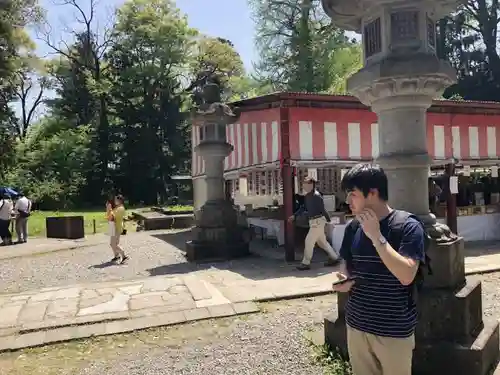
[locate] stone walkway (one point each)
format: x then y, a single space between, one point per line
174 293
63 313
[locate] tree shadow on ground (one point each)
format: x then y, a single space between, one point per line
479 248
255 267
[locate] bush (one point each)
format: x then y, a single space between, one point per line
331 359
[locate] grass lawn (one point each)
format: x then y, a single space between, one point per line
36 223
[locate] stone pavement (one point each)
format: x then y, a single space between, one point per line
64 313
174 293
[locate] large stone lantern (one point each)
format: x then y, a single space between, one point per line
217 234
400 77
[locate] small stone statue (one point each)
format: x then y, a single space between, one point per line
197 87
207 93
441 233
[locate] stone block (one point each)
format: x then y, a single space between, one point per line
341 303
335 332
199 313
33 312
219 311
444 315
28 340
478 356
88 302
147 300
62 308
160 284
245 307
448 265
9 314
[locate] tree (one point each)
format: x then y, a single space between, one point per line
87 60
297 44
148 60
15 15
52 166
30 84
468 39
217 56
347 61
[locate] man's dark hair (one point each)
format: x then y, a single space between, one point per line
366 177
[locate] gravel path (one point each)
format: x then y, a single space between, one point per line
269 343
150 255
89 264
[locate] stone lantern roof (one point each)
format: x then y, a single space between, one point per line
349 14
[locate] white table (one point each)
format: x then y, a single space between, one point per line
274 228
478 227
472 228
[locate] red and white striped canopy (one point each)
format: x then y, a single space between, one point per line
348 135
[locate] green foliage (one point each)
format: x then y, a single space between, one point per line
119 118
219 57
151 42
297 45
331 360
468 39
346 61
51 166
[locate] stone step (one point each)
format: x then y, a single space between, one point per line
477 357
444 315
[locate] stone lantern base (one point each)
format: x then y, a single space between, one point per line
451 337
218 235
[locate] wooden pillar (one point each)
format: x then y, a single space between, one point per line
451 201
288 189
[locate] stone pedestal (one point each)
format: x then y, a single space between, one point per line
400 77
218 234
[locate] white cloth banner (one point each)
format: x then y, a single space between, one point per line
471 228
274 228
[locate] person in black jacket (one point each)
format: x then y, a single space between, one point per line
314 207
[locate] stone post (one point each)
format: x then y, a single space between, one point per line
217 234
401 76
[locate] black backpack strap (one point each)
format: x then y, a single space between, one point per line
349 233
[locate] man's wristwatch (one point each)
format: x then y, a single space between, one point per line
381 241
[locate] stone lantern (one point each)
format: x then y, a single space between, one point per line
217 234
400 77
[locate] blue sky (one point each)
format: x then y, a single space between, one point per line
229 19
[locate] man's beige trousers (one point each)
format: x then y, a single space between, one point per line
377 355
316 235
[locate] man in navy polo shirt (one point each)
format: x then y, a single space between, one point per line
381 314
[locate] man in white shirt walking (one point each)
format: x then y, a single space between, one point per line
23 212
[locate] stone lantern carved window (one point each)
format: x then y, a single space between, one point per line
201 135
221 132
431 32
210 132
404 26
372 38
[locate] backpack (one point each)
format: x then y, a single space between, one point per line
396 224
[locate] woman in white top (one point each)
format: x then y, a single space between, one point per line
6 207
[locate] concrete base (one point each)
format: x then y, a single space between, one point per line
477 356
218 234
197 251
